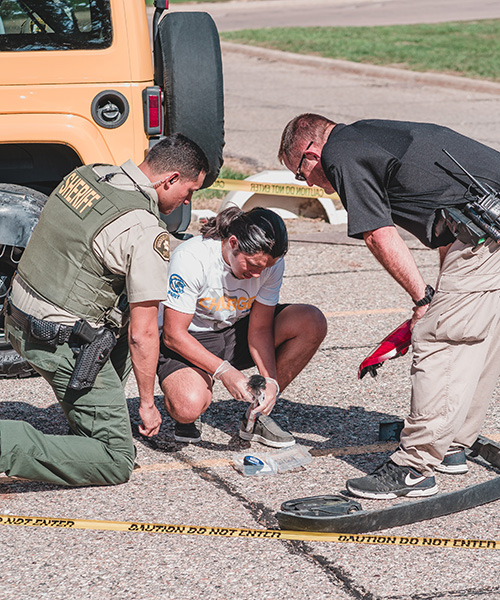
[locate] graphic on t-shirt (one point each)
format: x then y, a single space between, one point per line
176 285
201 284
226 304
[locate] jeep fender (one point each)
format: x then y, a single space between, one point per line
71 130
20 209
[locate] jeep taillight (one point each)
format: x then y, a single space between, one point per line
153 108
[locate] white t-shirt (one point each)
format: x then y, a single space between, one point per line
200 283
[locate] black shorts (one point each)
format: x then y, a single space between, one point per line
230 344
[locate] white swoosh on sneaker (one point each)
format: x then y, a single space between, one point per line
409 480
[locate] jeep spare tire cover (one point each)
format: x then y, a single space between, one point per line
20 209
191 69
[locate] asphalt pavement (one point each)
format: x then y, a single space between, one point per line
327 408
251 14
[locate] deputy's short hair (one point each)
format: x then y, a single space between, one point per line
176 152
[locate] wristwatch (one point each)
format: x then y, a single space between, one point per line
429 293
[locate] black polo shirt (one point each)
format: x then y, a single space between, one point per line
396 173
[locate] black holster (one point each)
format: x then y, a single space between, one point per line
91 347
91 357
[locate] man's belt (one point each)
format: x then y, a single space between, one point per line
91 347
53 334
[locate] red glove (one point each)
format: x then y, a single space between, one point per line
394 345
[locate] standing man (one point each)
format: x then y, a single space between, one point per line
391 173
95 266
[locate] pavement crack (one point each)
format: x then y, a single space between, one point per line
258 510
335 574
465 593
265 517
341 272
326 349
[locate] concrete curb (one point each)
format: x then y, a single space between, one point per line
337 234
344 66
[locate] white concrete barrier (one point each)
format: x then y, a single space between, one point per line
288 207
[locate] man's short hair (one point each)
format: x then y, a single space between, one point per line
305 127
177 153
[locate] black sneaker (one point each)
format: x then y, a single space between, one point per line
454 462
390 481
187 432
266 431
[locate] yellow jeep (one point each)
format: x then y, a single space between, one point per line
80 84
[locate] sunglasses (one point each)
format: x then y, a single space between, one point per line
298 175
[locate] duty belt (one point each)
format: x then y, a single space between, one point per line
45 331
91 347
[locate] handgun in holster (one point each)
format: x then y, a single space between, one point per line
91 355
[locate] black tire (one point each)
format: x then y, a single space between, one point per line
20 209
13 366
190 74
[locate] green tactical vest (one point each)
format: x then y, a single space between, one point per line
59 263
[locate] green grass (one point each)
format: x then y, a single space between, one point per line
211 198
470 49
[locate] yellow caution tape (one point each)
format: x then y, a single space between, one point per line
272 189
230 532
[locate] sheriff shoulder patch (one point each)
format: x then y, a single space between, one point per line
162 245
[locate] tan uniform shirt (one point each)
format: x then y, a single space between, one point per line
126 246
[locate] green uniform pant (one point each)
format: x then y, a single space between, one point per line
101 451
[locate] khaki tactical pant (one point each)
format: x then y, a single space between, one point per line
456 357
101 451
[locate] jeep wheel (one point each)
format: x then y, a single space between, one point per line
20 209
